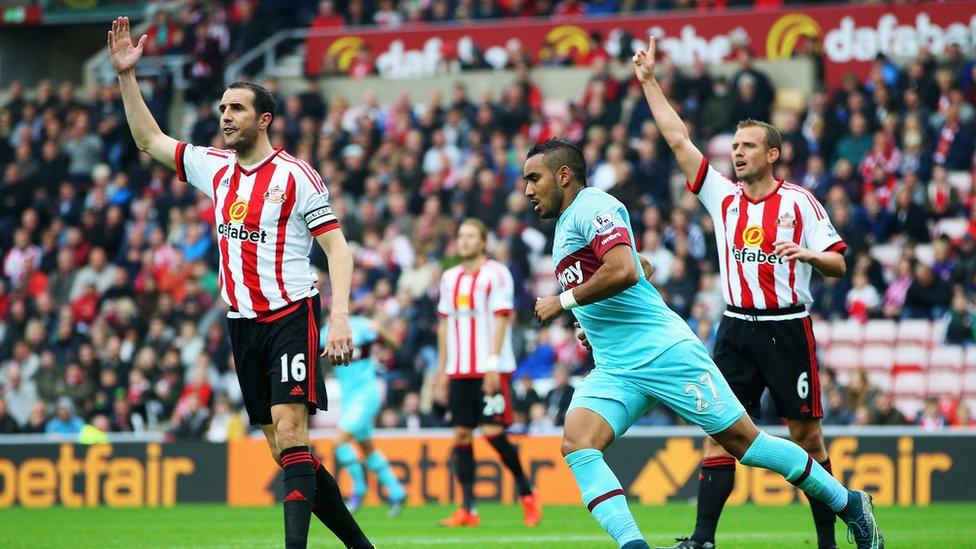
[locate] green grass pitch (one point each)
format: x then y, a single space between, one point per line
217 526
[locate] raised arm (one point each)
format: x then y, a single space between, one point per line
672 127
145 131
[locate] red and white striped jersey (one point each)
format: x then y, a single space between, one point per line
469 302
267 216
745 230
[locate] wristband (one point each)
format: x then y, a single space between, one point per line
491 364
567 300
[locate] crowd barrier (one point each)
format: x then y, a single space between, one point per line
898 466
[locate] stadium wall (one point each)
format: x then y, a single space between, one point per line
898 467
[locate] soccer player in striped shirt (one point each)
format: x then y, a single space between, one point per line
269 207
475 364
771 234
644 353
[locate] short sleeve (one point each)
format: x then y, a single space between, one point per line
710 186
501 297
605 228
313 202
444 303
199 166
819 233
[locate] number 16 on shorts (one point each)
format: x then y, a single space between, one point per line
296 368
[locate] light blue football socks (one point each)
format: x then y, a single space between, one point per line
347 459
603 495
789 460
377 463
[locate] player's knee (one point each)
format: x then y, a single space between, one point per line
289 432
811 441
573 442
462 436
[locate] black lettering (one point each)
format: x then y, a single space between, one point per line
424 465
493 479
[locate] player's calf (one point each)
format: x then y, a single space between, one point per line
585 436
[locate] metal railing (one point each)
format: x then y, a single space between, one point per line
268 52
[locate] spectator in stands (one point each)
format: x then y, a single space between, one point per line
18 392
863 299
836 412
960 321
558 398
930 417
225 424
884 413
909 218
964 417
897 291
524 395
540 422
928 296
8 425
194 421
859 391
66 422
856 143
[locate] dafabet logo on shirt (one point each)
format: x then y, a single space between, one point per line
237 211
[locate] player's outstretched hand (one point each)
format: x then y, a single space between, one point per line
644 61
547 309
790 251
581 336
338 346
125 55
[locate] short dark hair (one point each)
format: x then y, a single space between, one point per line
264 101
557 152
773 138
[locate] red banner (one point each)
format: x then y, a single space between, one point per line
848 36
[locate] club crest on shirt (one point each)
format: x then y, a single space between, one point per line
603 224
786 221
274 195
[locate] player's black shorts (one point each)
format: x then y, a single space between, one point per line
471 407
779 354
277 359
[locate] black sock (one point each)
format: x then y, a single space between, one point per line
510 457
299 493
824 517
332 512
464 471
715 483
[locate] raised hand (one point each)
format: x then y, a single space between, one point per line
644 61
124 54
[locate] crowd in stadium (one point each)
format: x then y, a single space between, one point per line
109 312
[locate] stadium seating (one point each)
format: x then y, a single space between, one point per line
904 358
947 357
911 384
883 332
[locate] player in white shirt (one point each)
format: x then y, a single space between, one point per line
269 208
475 363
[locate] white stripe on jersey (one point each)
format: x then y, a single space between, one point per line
468 303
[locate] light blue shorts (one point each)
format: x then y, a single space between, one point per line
359 411
683 378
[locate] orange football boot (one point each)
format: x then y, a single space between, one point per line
531 509
462 517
